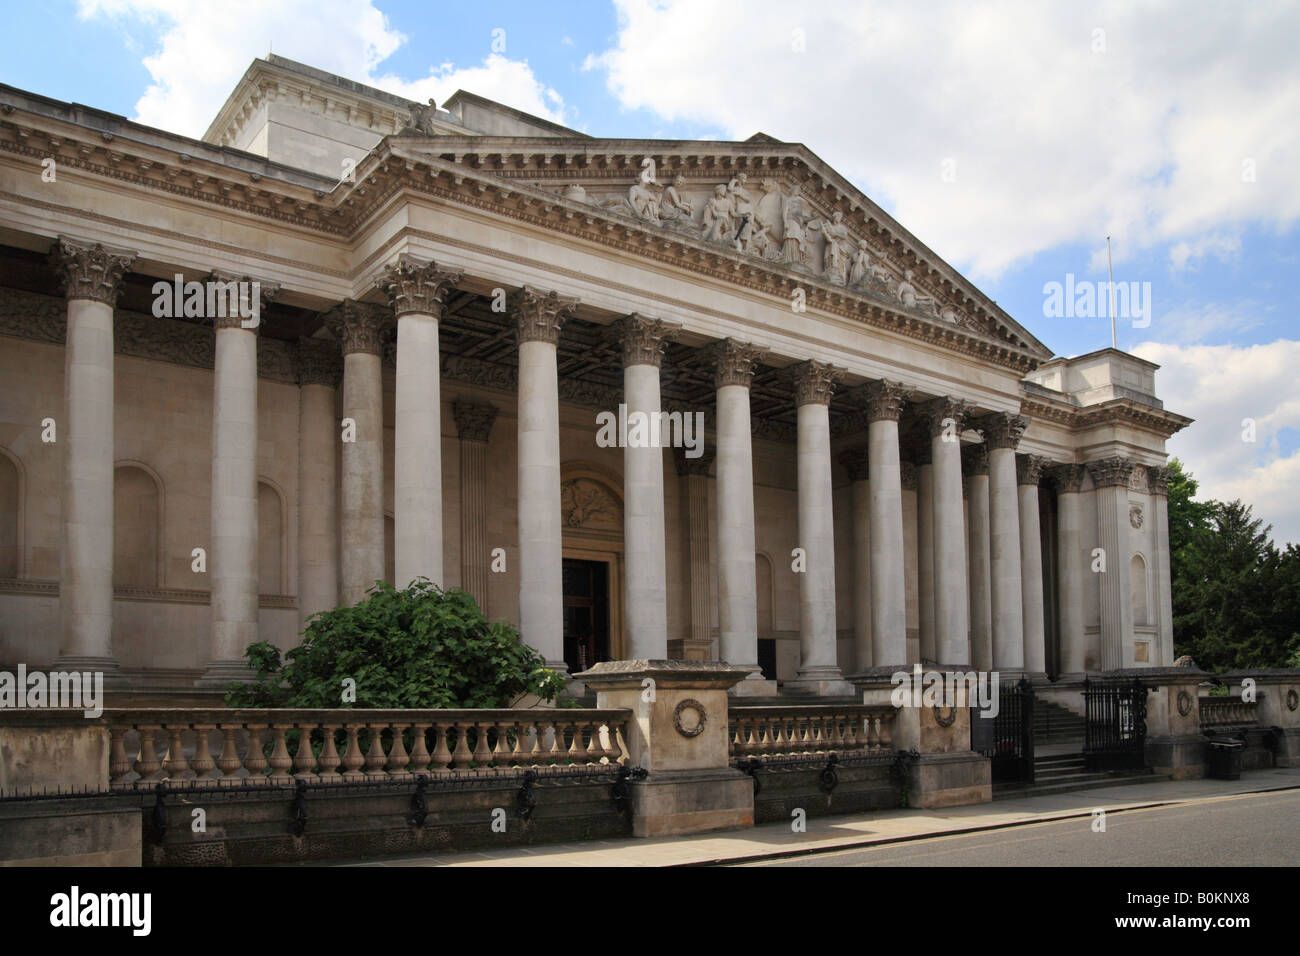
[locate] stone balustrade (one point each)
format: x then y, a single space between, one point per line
784 731
185 747
1228 712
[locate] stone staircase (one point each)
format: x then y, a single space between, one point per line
1056 724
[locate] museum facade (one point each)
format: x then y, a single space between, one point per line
448 301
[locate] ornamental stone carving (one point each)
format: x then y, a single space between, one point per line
1111 472
733 362
643 339
416 287
587 504
814 382
240 288
359 326
319 363
692 726
1137 481
473 420
539 316
1135 515
974 460
910 298
939 415
1158 480
1068 478
484 374
90 271
857 463
1029 469
884 400
1001 429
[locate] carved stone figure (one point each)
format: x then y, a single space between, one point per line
835 257
644 200
742 211
717 216
910 298
422 118
794 247
672 205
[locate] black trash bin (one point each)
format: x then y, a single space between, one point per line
1225 758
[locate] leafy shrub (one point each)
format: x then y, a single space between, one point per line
421 647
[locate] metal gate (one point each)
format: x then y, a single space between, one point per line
1116 733
1008 738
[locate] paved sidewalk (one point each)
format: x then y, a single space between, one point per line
888 826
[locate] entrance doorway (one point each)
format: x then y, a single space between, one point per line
586 613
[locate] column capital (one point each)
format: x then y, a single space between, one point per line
974 460
359 326
692 466
1067 478
856 462
473 420
539 316
1001 429
1112 471
1029 469
907 475
1158 480
644 339
243 287
814 382
884 400
733 362
414 286
936 413
319 363
90 271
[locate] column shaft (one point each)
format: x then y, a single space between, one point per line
925 558
541 544
417 453
737 597
318 556
1073 568
888 589
643 536
981 606
816 538
951 602
1031 564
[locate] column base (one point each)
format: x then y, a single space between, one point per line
223 673
755 685
108 666
819 682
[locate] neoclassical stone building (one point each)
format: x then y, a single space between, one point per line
893 469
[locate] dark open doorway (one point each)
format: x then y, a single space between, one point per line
586 613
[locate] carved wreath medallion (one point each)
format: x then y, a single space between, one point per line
1184 703
1292 699
701 717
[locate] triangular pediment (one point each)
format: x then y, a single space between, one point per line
774 204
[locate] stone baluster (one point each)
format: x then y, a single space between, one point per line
352 757
255 761
280 761
304 760
229 761
329 757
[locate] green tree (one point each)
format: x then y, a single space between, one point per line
421 647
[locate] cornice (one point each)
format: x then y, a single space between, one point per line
1118 411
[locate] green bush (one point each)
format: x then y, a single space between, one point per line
421 647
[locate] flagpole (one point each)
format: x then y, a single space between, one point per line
1110 265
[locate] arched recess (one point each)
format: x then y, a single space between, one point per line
1141 591
12 498
137 525
591 521
390 550
271 546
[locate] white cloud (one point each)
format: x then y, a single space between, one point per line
1052 142
197 63
1221 386
1223 248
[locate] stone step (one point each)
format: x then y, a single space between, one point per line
1006 791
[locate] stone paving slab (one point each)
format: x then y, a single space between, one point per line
775 839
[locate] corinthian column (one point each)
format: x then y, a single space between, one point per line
1073 566
1110 476
818 672
888 589
1028 470
319 371
417 291
539 318
1002 433
643 492
737 595
856 462
1158 486
234 563
943 419
360 328
91 277
976 463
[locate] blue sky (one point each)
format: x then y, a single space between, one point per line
1010 137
